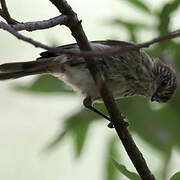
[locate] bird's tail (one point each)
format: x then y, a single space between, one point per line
20 69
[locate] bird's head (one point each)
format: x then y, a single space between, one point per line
165 78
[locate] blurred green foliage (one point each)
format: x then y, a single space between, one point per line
156 124
112 153
176 176
130 175
140 5
45 84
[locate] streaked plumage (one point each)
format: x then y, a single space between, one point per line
130 73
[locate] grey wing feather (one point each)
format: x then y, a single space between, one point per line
115 43
111 43
73 61
48 54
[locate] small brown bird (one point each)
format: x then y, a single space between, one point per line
130 73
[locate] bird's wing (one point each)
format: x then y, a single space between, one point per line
113 43
110 43
48 54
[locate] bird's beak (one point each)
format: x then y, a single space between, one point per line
154 97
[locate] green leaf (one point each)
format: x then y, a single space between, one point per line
165 167
53 144
174 51
165 16
176 176
158 127
130 24
83 116
139 4
112 152
78 125
45 84
126 172
79 137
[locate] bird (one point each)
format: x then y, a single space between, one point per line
128 73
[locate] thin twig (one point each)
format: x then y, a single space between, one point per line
93 53
118 50
38 25
2 14
5 13
169 36
11 30
30 26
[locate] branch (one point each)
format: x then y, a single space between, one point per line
5 13
11 30
63 20
129 47
30 26
116 117
37 25
169 36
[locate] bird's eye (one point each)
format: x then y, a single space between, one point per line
164 83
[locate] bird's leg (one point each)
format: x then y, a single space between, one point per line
88 104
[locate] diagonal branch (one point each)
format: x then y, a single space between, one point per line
116 117
11 30
63 7
5 13
169 36
73 24
63 20
128 47
38 25
30 26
